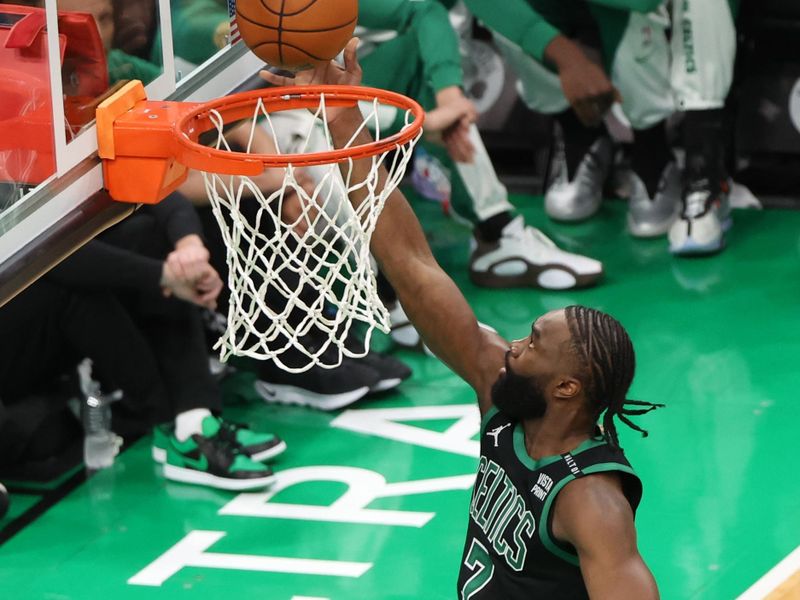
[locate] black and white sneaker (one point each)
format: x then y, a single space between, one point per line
705 219
391 371
324 389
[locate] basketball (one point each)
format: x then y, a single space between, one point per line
296 34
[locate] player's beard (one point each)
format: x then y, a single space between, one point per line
521 398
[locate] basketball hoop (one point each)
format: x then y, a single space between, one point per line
298 284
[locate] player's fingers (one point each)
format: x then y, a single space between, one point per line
617 96
176 266
462 131
275 79
467 150
209 297
350 59
459 145
472 112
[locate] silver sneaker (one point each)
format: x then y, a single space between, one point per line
652 217
580 198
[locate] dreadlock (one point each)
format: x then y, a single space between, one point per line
606 352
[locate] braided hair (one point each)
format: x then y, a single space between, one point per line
606 353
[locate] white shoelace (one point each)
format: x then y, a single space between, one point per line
695 204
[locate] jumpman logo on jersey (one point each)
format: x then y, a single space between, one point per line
496 432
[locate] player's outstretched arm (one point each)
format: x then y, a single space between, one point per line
593 515
429 297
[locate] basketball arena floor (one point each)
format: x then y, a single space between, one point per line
717 340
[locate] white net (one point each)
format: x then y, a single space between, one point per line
299 265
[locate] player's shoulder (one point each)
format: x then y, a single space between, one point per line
598 491
592 506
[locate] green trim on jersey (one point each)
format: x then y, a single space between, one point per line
544 522
534 465
487 417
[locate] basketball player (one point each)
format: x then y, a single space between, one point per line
552 514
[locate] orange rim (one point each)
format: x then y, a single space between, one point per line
240 106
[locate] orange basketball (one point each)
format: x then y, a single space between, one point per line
295 34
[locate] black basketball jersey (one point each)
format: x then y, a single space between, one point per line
510 552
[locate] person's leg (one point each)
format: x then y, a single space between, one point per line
640 70
477 193
582 155
176 337
31 326
703 51
193 442
31 355
201 448
56 322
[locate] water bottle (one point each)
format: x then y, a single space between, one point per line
100 444
3 501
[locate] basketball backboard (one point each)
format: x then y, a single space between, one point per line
58 60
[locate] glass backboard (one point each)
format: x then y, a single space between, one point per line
64 57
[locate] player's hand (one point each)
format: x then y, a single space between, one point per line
589 92
452 107
457 141
208 288
585 85
325 73
203 292
453 98
189 258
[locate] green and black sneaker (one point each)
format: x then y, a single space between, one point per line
214 459
258 446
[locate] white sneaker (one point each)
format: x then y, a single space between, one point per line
525 257
580 198
701 228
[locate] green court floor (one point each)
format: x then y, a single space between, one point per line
372 501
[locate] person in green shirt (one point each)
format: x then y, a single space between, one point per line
577 58
411 47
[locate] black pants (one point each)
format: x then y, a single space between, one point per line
173 329
45 331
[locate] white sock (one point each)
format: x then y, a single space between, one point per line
190 422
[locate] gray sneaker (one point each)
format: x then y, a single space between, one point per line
652 217
580 198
